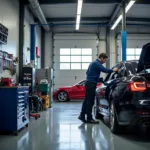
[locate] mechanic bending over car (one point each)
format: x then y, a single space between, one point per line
93 74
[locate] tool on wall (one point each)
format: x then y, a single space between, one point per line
8 62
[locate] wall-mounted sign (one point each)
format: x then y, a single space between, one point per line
37 52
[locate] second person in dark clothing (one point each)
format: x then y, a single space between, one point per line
93 74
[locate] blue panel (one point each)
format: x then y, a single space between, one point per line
14 108
124 44
32 42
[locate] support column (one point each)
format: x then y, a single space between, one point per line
42 48
123 32
32 43
108 46
21 37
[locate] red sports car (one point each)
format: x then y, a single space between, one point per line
74 92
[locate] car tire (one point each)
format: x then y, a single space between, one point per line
114 125
62 96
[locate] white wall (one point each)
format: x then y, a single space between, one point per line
38 44
48 50
102 37
30 20
136 38
9 17
90 31
70 77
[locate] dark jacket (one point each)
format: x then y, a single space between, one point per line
94 71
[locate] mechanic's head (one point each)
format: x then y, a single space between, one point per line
103 58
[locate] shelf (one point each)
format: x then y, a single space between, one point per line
3 33
3 43
6 58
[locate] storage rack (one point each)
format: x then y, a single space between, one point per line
3 34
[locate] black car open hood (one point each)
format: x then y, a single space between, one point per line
144 61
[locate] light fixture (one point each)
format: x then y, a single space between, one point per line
130 4
78 19
79 10
77 26
116 23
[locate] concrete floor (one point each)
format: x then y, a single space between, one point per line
59 129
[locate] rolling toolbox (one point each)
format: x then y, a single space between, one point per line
14 108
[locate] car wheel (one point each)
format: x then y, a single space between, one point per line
114 126
62 96
96 113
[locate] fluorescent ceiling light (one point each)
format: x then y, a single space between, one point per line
79 8
78 19
130 4
116 23
77 26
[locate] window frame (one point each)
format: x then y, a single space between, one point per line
135 55
81 55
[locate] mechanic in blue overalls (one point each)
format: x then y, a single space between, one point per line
93 74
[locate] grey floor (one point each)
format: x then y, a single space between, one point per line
59 129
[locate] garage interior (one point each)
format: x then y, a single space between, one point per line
46 45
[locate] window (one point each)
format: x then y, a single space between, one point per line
114 75
75 58
133 53
129 69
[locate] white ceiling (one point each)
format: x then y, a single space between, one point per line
97 10
92 10
58 11
69 10
139 11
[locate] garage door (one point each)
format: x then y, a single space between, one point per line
135 43
72 55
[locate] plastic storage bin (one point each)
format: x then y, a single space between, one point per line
44 87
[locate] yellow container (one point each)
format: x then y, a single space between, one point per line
46 100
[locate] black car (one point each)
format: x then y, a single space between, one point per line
125 96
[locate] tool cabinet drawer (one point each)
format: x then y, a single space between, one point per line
20 120
21 101
20 114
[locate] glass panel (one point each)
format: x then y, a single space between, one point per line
85 66
65 51
76 66
86 58
64 66
75 58
130 57
138 51
130 51
129 69
64 58
86 51
76 51
148 70
137 57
